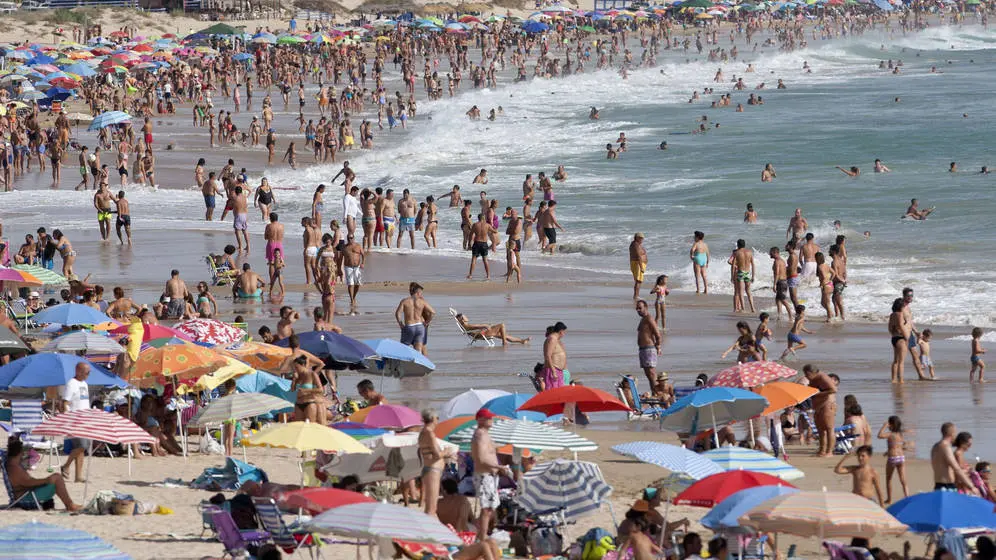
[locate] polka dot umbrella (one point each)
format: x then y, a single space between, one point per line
174 362
751 374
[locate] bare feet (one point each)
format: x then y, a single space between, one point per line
74 508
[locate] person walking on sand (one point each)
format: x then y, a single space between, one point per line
895 457
976 357
75 395
699 255
480 234
486 471
948 474
648 341
413 315
863 476
912 342
240 217
824 407
352 266
637 262
554 357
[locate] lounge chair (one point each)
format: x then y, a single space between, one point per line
234 539
844 440
17 310
474 335
207 511
641 408
282 535
840 551
26 415
26 500
219 277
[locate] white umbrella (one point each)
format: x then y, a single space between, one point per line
84 341
529 435
386 521
469 402
236 406
369 467
570 489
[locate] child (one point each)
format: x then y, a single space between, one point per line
976 359
763 331
276 276
797 327
892 431
660 290
863 475
925 361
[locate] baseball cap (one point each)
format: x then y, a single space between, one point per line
485 413
33 294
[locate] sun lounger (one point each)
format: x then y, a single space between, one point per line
17 310
839 551
282 535
26 415
844 440
219 277
641 408
234 539
473 335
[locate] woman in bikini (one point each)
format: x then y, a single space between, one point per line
826 277
699 254
309 390
66 250
899 328
895 457
433 460
318 205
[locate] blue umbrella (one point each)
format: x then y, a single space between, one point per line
239 57
508 406
535 27
41 541
398 360
931 512
262 382
109 118
81 69
52 370
41 59
726 514
31 95
71 314
58 93
358 430
712 406
671 457
268 38
333 347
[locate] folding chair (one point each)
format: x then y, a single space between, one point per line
26 499
219 277
17 310
282 535
234 539
642 408
26 415
474 335
843 439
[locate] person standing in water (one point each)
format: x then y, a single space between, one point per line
699 255
637 262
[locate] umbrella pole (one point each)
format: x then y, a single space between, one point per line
750 426
667 509
715 432
183 435
86 481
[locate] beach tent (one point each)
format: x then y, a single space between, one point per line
220 29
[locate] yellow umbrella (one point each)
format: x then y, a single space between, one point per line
305 436
232 369
703 16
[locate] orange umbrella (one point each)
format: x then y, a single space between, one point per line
179 362
19 277
585 399
783 394
259 355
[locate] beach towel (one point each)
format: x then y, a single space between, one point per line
232 476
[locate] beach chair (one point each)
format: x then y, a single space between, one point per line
844 439
641 408
840 551
26 500
235 540
207 511
218 277
474 335
17 310
25 416
282 535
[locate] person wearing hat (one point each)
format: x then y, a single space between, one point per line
637 262
486 472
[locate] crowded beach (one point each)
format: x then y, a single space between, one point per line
260 415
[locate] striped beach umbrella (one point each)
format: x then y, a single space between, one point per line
42 541
671 457
47 277
726 514
739 458
572 489
751 374
109 118
94 424
18 277
531 435
824 515
84 341
389 521
236 406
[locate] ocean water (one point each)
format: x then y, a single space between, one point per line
843 113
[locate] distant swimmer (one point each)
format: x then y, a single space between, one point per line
797 226
915 213
953 168
663 146
768 173
750 216
593 114
985 170
880 167
610 152
852 172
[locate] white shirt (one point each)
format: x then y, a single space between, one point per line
350 207
77 394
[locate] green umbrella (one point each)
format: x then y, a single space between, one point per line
220 29
47 277
588 28
697 4
290 40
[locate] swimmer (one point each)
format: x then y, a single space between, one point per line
663 146
750 215
914 211
880 167
593 114
953 168
611 153
852 172
768 173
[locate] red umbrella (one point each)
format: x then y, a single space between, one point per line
717 487
94 424
210 331
318 500
751 374
585 399
153 331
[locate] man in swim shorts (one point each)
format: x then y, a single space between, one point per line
406 215
353 258
778 272
210 192
648 340
248 284
413 315
637 262
240 214
480 233
743 264
808 252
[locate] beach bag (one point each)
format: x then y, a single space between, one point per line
545 541
596 543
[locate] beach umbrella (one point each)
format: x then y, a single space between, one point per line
585 399
31 95
508 407
305 436
387 416
671 457
469 402
571 489
334 347
52 370
784 394
535 27
823 515
18 277
388 521
109 118
84 341
262 382
717 487
290 40
751 374
726 514
446 427
210 331
697 4
42 541
712 406
257 354
938 511
10 343
237 406
530 435
231 370
177 362
398 360
264 38
152 332
46 276
739 458
239 57
319 500
358 430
